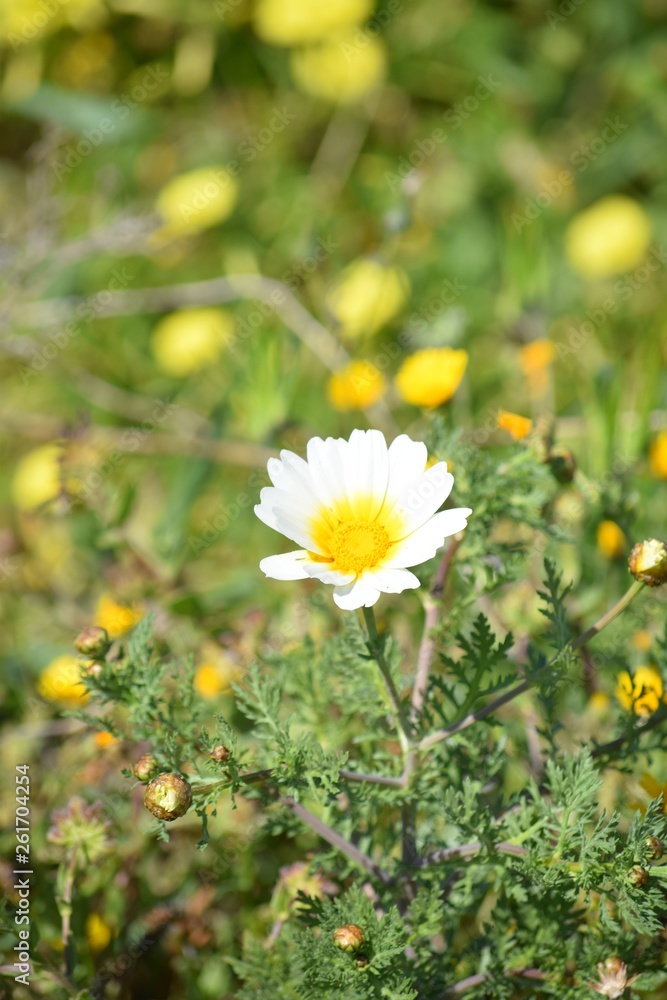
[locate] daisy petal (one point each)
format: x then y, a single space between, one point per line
366 473
288 566
391 581
325 574
420 499
289 522
358 594
423 543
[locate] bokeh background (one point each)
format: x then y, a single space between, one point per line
227 226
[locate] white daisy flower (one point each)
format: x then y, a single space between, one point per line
362 512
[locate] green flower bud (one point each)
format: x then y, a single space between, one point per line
563 464
93 642
362 961
348 938
655 848
648 562
220 754
145 768
168 796
637 876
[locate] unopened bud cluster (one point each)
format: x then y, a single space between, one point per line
348 938
93 642
145 768
168 796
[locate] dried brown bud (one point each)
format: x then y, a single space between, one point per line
168 796
648 562
348 938
637 876
361 961
93 642
220 754
145 768
654 848
563 464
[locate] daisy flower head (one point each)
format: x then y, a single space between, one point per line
362 512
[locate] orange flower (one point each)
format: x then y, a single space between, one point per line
103 740
611 541
535 359
516 425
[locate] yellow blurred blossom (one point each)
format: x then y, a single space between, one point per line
215 676
658 455
98 932
293 22
190 339
28 20
432 376
642 640
197 199
358 385
654 789
37 477
61 681
599 702
339 70
535 359
608 238
366 296
644 691
519 427
611 540
104 740
116 618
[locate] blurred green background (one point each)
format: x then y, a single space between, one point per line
355 183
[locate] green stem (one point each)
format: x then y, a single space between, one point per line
375 646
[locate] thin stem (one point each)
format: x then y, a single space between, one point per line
481 977
492 707
469 851
375 646
336 840
373 779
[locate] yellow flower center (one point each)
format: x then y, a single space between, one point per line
358 545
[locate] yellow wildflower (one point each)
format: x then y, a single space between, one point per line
654 789
190 339
116 618
658 455
37 477
358 385
599 702
339 70
367 296
535 359
61 681
98 932
197 199
643 693
519 427
292 22
432 376
215 677
642 640
608 238
611 540
104 740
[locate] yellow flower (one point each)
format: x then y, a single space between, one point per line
535 359
643 692
190 339
98 932
654 789
608 238
367 296
642 640
356 386
658 456
292 22
516 425
117 619
340 70
197 199
61 681
37 477
611 541
431 377
599 702
104 740
215 677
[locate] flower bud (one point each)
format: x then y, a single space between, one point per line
219 754
168 796
654 848
613 973
145 768
637 876
648 562
361 961
563 464
93 642
348 938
